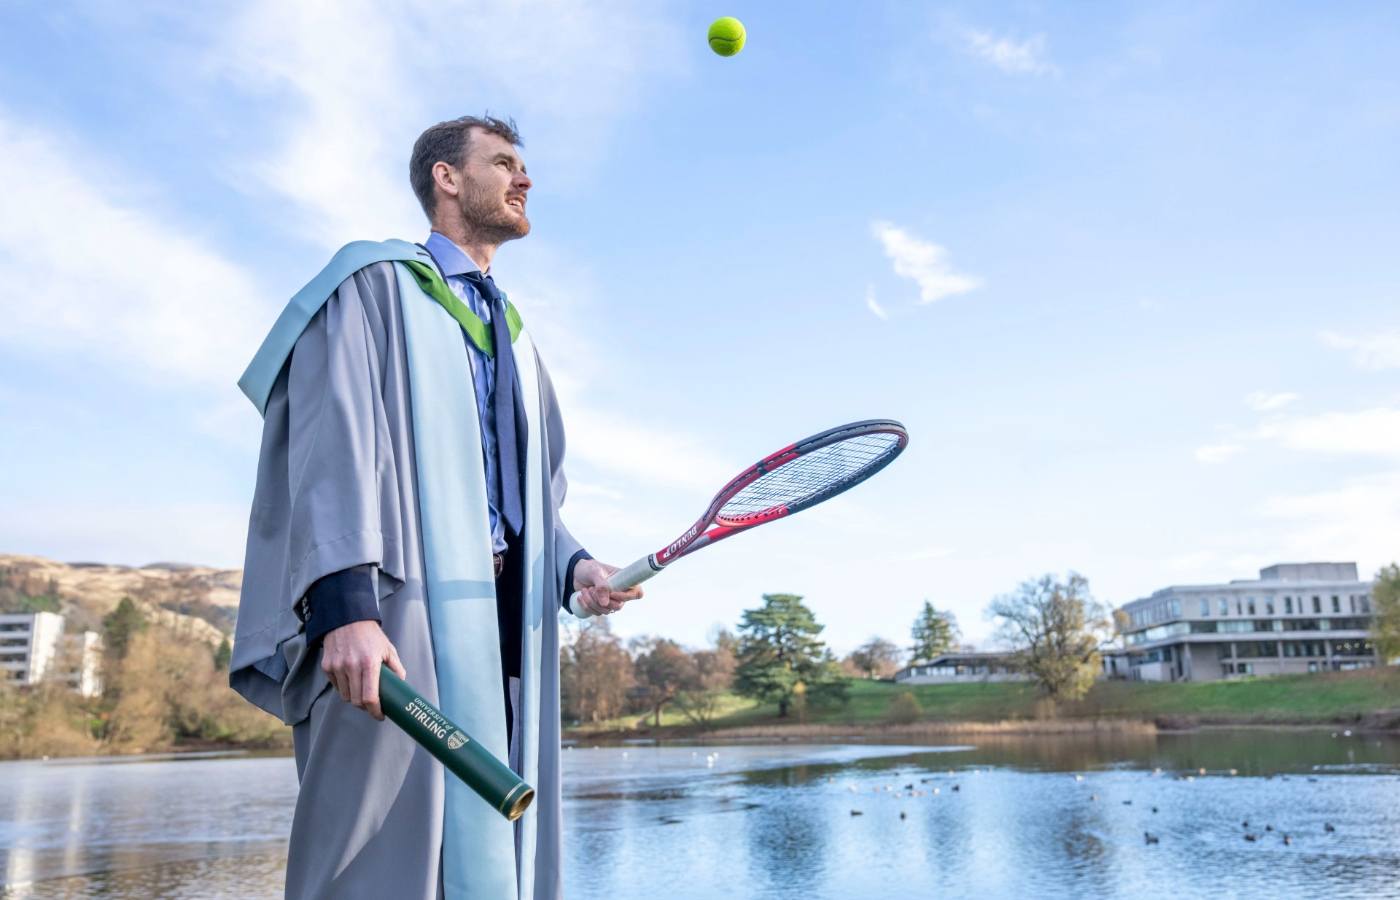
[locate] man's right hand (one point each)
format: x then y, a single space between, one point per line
351 655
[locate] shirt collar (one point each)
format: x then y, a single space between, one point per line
452 259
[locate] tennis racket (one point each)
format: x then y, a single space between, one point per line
797 477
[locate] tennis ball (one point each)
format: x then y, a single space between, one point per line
726 36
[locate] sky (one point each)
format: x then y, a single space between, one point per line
1128 274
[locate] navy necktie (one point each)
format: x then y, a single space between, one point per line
509 409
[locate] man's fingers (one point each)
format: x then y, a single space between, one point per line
357 686
394 665
369 691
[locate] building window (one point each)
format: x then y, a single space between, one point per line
1365 603
1288 606
1317 606
1224 607
1239 610
1176 608
1249 606
1205 607
1336 604
1268 606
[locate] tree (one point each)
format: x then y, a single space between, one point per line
935 632
120 625
781 659
714 670
223 655
1056 630
876 658
663 670
595 674
1385 600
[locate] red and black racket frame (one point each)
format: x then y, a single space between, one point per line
696 536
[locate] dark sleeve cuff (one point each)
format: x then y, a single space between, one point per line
569 578
339 599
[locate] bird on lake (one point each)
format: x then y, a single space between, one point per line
956 788
1127 803
901 815
1287 841
1251 837
1328 827
1268 828
1150 838
856 812
1245 823
1154 809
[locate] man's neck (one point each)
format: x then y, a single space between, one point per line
480 250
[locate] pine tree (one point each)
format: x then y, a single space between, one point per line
934 633
781 659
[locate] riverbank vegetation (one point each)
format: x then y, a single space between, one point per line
1367 699
162 691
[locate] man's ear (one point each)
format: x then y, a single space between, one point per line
447 180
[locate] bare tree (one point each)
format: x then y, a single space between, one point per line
1056 629
700 703
876 658
663 670
595 674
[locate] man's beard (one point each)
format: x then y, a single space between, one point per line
484 214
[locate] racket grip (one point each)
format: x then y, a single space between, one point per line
492 779
620 580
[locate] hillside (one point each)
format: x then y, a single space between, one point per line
195 600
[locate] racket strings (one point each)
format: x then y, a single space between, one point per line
836 465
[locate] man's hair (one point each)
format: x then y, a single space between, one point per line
448 142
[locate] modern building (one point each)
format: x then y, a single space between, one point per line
34 648
1296 617
960 668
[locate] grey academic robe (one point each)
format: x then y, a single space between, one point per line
336 488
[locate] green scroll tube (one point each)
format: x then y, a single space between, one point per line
463 757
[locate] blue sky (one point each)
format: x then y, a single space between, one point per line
1127 274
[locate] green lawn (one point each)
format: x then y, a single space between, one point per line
1318 698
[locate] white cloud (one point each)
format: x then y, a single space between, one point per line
91 269
1367 432
1262 401
1377 351
1010 56
1357 521
350 85
873 305
923 262
1217 453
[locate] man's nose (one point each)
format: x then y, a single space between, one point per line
523 182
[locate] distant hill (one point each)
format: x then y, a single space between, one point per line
196 600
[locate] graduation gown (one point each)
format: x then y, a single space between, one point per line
341 482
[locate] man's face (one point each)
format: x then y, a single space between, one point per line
494 187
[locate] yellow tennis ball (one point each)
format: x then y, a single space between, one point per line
726 36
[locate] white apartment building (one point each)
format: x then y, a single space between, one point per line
1296 617
34 648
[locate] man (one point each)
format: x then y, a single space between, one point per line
406 513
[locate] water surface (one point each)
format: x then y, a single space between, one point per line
984 818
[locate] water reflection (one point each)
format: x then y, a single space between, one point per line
1008 817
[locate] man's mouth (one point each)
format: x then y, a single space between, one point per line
517 202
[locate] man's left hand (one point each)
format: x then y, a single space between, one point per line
591 579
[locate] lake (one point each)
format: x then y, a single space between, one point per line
984 817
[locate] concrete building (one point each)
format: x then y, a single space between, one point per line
1296 617
34 648
960 668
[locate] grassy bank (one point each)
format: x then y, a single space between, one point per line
1371 698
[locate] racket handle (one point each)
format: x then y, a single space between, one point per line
620 580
